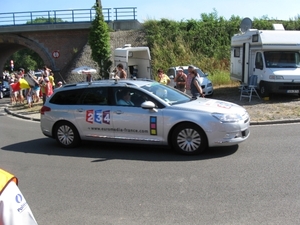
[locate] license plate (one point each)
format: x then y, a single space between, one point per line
293 91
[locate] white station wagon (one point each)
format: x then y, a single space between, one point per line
141 111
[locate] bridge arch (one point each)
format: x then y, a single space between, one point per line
10 43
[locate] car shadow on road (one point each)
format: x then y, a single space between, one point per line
103 151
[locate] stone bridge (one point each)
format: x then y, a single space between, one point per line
56 43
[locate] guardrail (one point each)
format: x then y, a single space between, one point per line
65 16
125 13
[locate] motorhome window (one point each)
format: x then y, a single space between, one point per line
259 61
282 59
236 52
255 38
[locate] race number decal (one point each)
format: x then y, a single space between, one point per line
97 116
106 117
89 117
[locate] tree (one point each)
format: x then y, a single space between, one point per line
99 41
46 20
25 58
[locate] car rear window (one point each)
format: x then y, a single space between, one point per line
95 96
67 97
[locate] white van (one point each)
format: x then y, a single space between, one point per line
135 60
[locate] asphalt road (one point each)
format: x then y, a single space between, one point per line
256 182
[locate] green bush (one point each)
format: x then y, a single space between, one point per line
204 43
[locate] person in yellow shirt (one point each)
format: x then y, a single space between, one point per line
162 78
14 210
51 79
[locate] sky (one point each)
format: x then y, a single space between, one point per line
177 10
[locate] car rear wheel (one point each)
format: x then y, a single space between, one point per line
189 139
66 135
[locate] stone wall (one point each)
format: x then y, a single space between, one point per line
83 58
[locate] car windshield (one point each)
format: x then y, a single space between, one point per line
166 93
281 59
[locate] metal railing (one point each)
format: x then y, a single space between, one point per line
65 16
125 13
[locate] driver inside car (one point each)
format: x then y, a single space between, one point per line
125 98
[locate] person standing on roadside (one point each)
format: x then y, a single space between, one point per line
189 79
59 84
88 77
51 79
14 210
36 91
162 78
21 98
47 71
195 85
180 80
29 97
48 87
43 87
121 72
11 92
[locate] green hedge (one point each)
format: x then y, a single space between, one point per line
204 43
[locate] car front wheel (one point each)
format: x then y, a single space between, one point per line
66 135
263 90
189 139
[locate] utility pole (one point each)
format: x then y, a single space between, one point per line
99 4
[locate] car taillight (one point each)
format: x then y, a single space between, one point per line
45 109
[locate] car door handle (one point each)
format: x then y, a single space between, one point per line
119 112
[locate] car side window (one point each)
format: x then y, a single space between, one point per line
95 96
67 97
131 97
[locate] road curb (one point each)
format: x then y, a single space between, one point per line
270 122
20 116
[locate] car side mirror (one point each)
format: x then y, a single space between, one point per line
148 105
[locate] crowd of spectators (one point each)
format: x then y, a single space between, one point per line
39 87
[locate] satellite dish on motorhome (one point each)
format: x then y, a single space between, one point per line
246 24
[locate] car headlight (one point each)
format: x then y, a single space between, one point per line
3 89
276 77
227 118
209 85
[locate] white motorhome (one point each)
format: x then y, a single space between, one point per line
135 60
272 55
